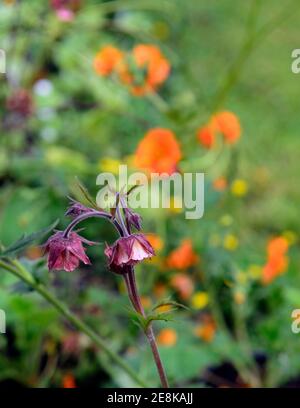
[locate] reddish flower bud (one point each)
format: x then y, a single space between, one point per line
66 252
128 251
75 209
133 218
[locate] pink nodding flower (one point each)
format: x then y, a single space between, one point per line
65 253
128 251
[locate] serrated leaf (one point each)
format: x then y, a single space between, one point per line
26 240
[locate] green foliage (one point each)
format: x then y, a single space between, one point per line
80 119
25 241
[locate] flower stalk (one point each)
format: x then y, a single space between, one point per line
65 251
136 302
23 274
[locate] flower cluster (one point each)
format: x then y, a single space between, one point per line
143 69
226 123
65 248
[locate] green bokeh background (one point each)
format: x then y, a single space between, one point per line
86 118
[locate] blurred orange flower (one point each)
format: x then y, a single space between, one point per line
143 70
34 252
167 337
146 301
158 152
107 60
183 257
155 241
277 261
183 284
206 136
156 66
68 381
160 290
226 123
220 184
206 330
229 125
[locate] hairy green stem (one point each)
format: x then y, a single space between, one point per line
17 269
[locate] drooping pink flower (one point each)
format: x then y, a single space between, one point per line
65 253
128 251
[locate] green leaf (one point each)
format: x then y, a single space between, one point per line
133 188
138 319
168 302
84 194
26 240
164 316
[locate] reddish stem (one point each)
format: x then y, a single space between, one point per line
136 302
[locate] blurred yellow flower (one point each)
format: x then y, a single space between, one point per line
290 236
239 297
239 187
109 165
241 277
200 300
226 220
231 242
255 271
